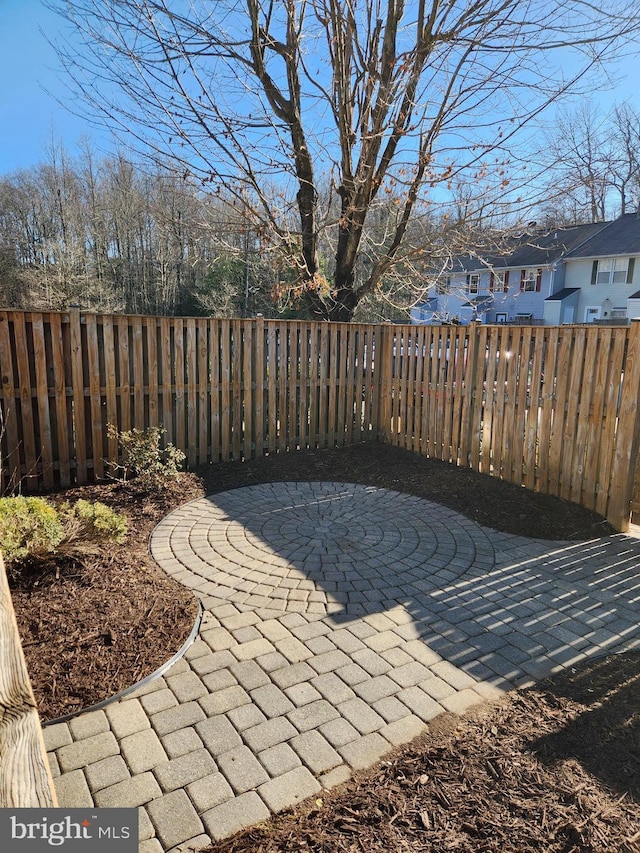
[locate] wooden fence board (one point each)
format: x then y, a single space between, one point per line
166 387
531 446
581 448
191 365
96 430
293 332
272 387
111 403
124 373
313 372
624 469
25 777
62 400
203 384
546 414
500 401
77 385
487 426
259 380
236 389
150 328
216 390
138 391
596 417
520 411
562 378
9 424
323 385
573 409
459 354
31 457
179 385
247 389
613 391
507 462
42 400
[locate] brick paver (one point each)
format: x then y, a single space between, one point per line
339 621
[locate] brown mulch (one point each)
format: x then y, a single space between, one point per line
555 768
552 769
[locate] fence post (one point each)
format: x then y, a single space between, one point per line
625 460
383 366
25 778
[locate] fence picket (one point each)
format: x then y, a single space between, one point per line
533 414
138 373
258 395
96 428
607 440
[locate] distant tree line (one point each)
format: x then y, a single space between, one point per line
110 236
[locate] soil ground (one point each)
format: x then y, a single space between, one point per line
555 768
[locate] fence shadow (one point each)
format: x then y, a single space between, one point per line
604 736
388 572
502 608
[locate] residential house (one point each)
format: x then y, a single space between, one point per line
602 276
510 284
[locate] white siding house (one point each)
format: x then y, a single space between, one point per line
515 285
606 271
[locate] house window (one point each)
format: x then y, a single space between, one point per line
531 280
499 282
443 285
473 283
612 271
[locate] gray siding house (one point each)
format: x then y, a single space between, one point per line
524 281
605 272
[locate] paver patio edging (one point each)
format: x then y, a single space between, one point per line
153 676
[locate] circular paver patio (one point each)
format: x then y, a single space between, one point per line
318 547
339 620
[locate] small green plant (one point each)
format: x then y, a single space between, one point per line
92 522
28 526
34 528
144 458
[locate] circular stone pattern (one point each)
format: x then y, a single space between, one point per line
318 547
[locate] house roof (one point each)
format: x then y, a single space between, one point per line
530 250
562 294
620 237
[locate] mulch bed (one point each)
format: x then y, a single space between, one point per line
555 768
552 769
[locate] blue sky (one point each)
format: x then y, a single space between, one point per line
30 118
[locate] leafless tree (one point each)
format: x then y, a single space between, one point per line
581 152
593 164
387 99
625 160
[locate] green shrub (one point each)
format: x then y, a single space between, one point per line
33 527
28 526
92 522
144 458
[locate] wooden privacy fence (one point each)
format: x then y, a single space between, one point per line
554 409
222 389
551 408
